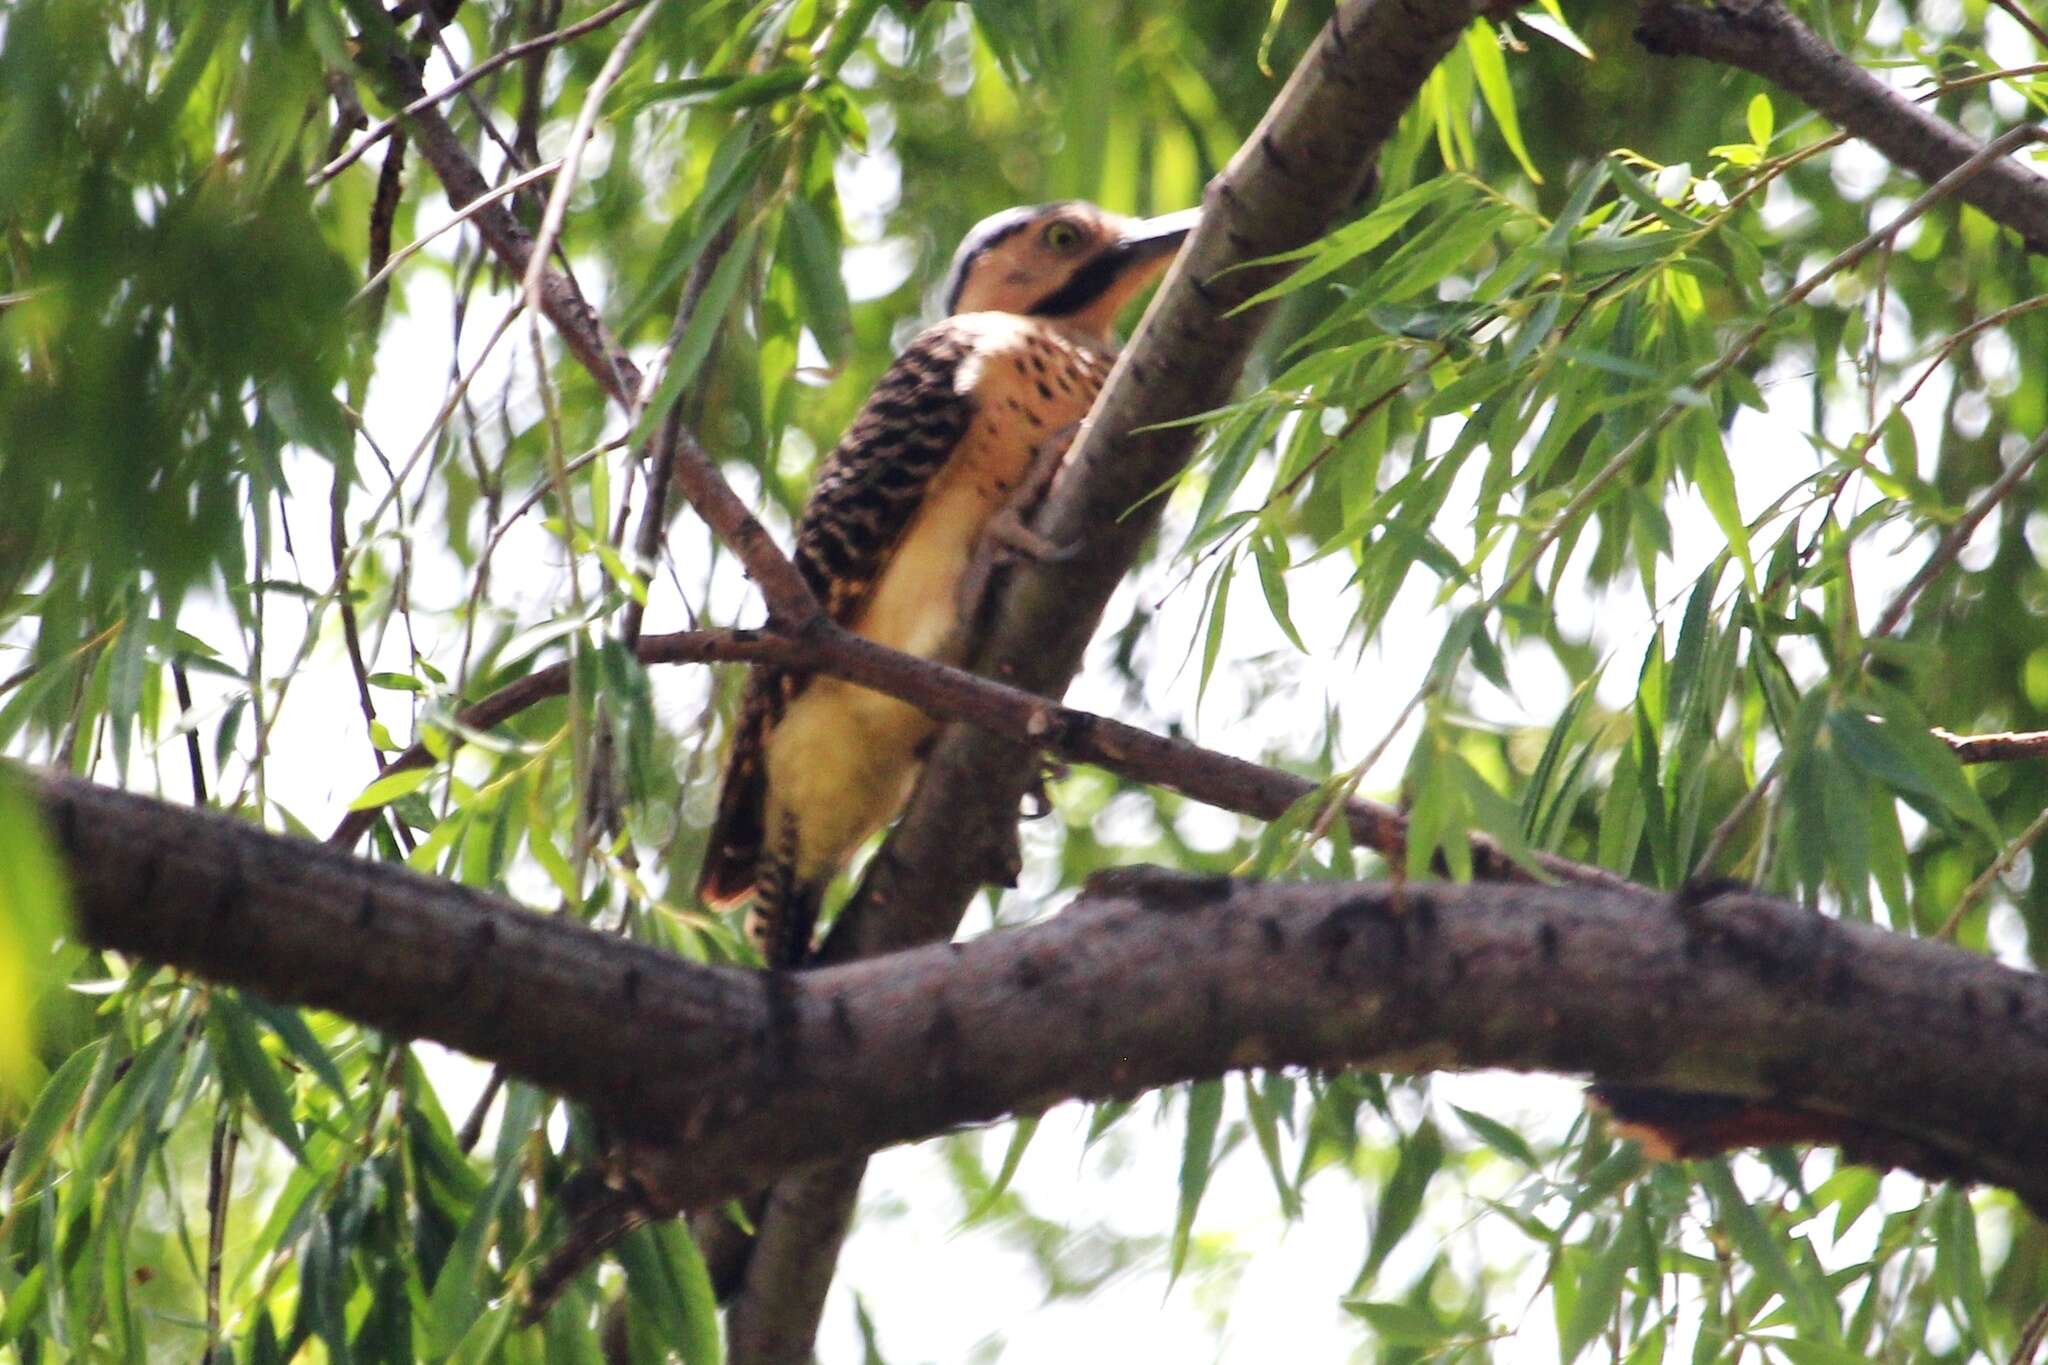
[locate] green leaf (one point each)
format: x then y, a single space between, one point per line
691 349
1804 1351
1104 1117
1422 1154
396 682
1353 240
702 1345
1490 69
1716 481
48 1119
248 1070
1916 765
1212 638
1273 583
1958 1263
35 909
1552 25
1760 120
384 790
483 1338
1266 1128
666 1275
1758 1245
289 1025
1598 1295
1428 257
719 92
124 683
111 1119
812 248
457 1296
1499 1137
1020 1138
1198 1145
1400 1324
734 169
1632 188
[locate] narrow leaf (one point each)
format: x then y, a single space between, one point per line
1205 1111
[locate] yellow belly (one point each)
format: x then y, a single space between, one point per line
841 760
844 756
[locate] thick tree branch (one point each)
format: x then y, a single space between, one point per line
738 1077
1764 37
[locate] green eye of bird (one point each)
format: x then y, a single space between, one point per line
1062 236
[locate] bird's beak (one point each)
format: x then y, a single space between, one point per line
1149 238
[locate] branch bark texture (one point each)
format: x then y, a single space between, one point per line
735 1078
1763 37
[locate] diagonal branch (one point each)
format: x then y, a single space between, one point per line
1764 37
789 600
1930 1056
494 62
1021 717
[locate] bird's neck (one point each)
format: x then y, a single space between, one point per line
1091 336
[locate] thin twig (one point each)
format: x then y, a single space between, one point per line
1995 748
469 210
572 157
467 79
183 685
1959 535
393 494
1999 865
472 1130
2024 20
2030 1338
697 475
220 1177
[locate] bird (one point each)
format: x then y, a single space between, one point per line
925 491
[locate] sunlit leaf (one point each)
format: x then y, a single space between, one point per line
1198 1145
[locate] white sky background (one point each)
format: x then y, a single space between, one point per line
937 1293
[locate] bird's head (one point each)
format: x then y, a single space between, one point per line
1070 262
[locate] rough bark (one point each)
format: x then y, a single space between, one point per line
736 1078
1764 37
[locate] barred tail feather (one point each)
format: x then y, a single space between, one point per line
785 909
732 856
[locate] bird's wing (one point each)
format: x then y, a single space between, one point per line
866 494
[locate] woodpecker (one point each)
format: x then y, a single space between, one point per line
929 483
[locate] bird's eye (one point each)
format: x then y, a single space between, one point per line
1062 236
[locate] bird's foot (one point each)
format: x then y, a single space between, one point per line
1037 797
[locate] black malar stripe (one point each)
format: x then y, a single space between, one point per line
1083 287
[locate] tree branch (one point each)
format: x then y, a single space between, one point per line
1763 37
736 1077
789 599
468 78
1011 713
2002 747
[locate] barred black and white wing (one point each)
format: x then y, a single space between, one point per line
866 496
